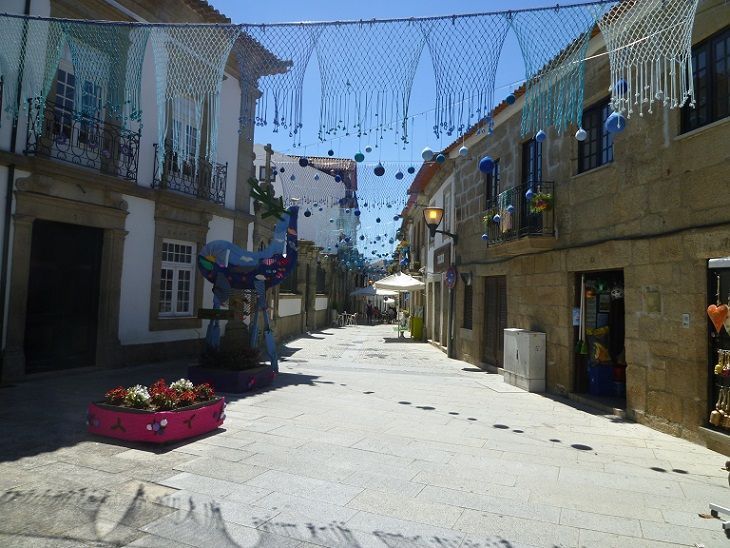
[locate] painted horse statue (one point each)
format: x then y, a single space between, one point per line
228 267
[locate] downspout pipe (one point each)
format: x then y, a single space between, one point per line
9 196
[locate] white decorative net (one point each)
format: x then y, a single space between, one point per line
649 46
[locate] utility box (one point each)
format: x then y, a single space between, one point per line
524 359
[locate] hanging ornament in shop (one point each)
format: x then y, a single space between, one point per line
540 136
427 154
359 157
718 315
486 164
303 161
464 151
615 123
379 170
581 135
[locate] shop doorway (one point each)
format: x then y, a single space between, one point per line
63 296
718 386
495 319
437 312
600 358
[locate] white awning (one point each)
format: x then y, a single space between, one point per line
400 282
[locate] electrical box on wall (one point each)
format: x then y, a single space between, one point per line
524 359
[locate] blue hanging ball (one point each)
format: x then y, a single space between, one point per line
411 170
368 149
307 213
485 236
621 86
338 179
511 208
377 220
282 170
347 210
399 175
391 241
396 217
357 212
581 135
464 151
315 205
303 161
529 194
347 239
377 238
510 99
540 136
330 152
320 209
497 218
379 170
486 164
337 245
332 220
362 238
316 176
359 157
440 158
329 249
293 178
427 154
615 123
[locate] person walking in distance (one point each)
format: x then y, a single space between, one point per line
369 313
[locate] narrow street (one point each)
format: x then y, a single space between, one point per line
363 440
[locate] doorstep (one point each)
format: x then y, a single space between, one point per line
606 404
715 440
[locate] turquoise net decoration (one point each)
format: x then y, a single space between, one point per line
650 52
554 43
107 61
189 62
33 47
465 51
281 70
367 70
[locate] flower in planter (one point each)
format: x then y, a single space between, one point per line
182 385
163 398
137 397
204 392
186 397
158 386
116 396
541 201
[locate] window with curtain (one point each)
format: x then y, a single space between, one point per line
597 149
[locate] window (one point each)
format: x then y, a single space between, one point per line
176 278
711 73
64 106
321 279
468 306
597 149
531 162
491 182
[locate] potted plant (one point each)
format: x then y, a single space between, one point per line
542 203
235 370
158 414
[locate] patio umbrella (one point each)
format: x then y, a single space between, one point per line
400 282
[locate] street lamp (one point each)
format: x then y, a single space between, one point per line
433 217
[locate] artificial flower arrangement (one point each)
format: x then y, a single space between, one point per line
160 396
541 201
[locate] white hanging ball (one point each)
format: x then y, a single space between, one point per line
581 135
464 151
427 154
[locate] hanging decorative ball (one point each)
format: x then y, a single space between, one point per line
581 135
329 248
411 170
320 209
347 239
396 217
485 236
359 157
282 170
357 212
338 179
365 204
332 220
377 220
615 123
510 99
293 177
362 238
621 86
303 161
347 210
316 176
388 206
427 154
540 136
377 238
511 208
379 170
307 213
497 218
464 151
529 194
330 152
390 241
486 164
315 205
368 149
399 175
337 245
440 158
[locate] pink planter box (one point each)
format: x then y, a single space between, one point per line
128 424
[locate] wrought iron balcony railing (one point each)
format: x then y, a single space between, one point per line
195 176
520 217
57 133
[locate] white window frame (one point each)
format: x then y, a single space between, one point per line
177 268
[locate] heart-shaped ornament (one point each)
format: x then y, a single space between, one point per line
718 315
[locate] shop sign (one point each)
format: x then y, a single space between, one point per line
442 258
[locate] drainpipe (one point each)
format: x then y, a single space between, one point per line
9 195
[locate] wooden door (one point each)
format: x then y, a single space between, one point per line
495 319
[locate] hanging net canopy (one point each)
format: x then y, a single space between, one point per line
465 53
649 46
554 43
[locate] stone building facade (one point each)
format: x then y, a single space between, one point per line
652 216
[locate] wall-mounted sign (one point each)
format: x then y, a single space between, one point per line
442 258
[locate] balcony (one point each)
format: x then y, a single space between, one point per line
536 230
194 177
59 134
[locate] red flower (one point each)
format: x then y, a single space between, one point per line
116 396
164 398
158 386
186 398
204 392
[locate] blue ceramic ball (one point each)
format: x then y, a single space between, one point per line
293 178
540 136
399 175
529 194
485 236
511 208
316 176
377 220
307 213
581 135
464 151
330 152
411 170
320 209
391 241
282 170
486 164
440 158
332 220
304 162
510 99
497 219
357 212
379 170
362 237
359 157
615 123
338 179
347 210
396 217
621 86
368 149
427 154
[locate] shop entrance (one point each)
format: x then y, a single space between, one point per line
437 312
600 359
718 389
495 319
63 296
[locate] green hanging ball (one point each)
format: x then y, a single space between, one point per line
359 157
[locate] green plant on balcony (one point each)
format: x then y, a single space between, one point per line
541 201
488 218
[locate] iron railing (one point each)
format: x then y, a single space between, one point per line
195 176
57 133
517 219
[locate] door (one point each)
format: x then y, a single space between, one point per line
63 296
437 312
495 319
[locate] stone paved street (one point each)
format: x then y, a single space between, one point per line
364 440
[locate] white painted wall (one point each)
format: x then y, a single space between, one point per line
320 303
438 201
289 306
228 136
